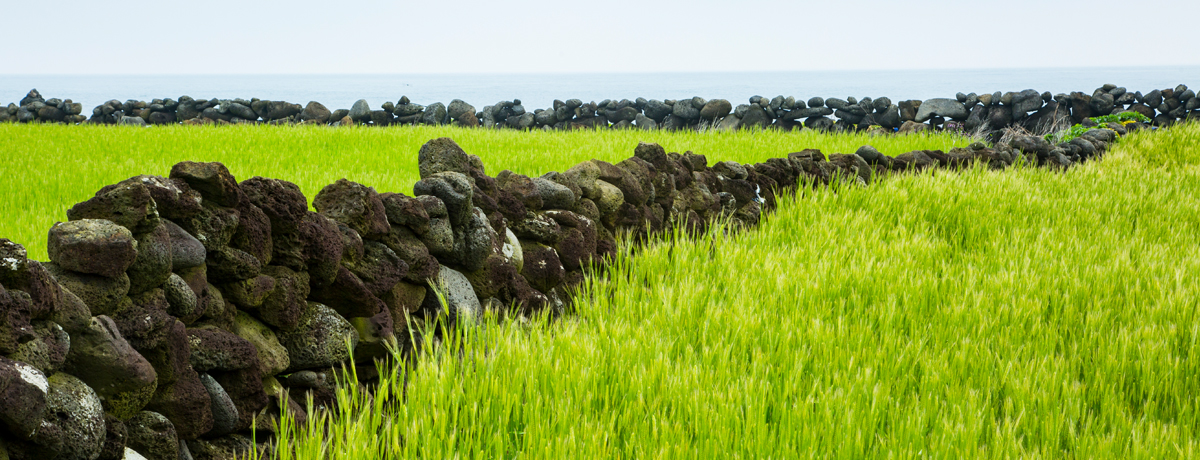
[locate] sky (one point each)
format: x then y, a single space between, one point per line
246 37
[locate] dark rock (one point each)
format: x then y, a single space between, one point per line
321 339
153 263
153 436
908 110
101 357
360 111
114 439
755 117
74 410
214 349
224 413
186 250
435 114
23 393
281 201
948 108
452 188
127 204
212 180
715 109
442 155
542 266
869 154
317 112
272 356
228 265
355 205
102 295
1024 102
457 109
92 246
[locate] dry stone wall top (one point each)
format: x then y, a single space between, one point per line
983 113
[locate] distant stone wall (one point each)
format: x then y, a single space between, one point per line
176 311
1028 109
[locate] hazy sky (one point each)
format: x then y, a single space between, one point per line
471 36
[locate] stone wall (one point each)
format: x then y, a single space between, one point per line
1028 109
176 311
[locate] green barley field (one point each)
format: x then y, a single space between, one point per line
48 168
974 314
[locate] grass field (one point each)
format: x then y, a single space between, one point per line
981 314
48 168
1023 313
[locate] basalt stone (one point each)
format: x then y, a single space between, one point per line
127 204
852 165
282 305
253 232
360 111
214 349
114 439
212 180
376 334
23 393
173 198
72 314
405 210
583 176
272 357
543 268
38 282
630 186
456 290
404 299
348 296
1033 145
409 248
224 413
315 111
522 188
948 108
144 322
435 114
537 227
74 409
355 205
869 154
553 195
454 189
473 242
102 295
610 197
230 447
321 339
48 348
656 110
915 160
250 292
755 117
458 108
380 268
245 390
282 201
181 298
227 265
978 118
101 357
731 169
92 246
381 117
154 261
153 436
186 250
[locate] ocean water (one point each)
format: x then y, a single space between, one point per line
540 90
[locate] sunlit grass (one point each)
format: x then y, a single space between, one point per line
48 168
977 314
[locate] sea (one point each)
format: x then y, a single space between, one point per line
540 90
